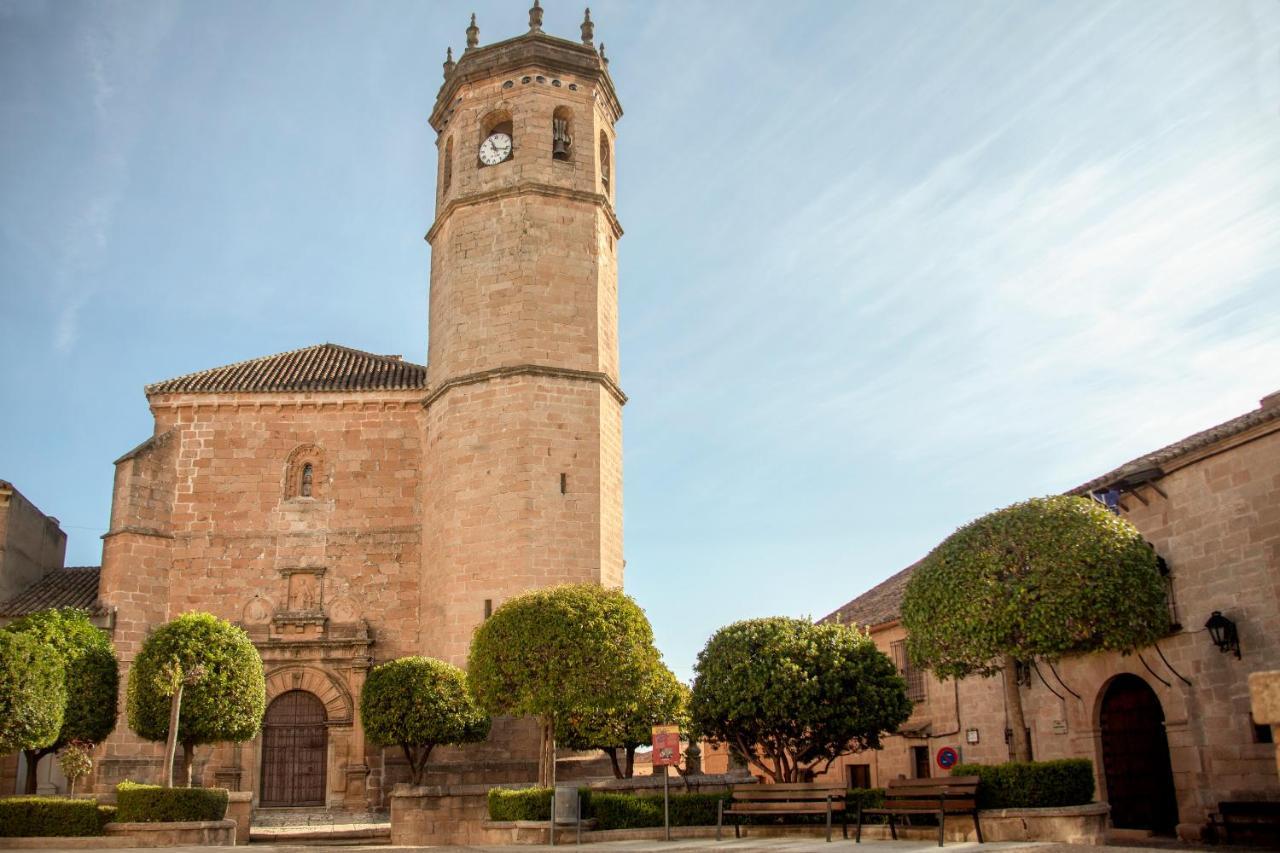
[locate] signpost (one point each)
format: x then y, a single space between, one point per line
948 757
666 753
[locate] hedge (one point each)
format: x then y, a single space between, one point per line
613 810
153 804
1031 784
27 817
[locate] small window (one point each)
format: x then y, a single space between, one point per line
308 472
304 472
913 674
561 134
448 164
605 173
1261 732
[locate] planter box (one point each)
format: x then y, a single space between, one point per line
240 810
196 833
1085 824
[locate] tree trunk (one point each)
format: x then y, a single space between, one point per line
34 757
547 754
1013 703
188 761
171 743
631 762
417 758
612 752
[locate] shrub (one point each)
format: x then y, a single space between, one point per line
868 798
152 804
628 811
519 803
106 815
1031 784
33 693
43 816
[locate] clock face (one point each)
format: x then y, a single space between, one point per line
495 149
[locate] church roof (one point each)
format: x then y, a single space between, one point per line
325 367
73 586
883 603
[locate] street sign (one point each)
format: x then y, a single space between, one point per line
666 746
948 757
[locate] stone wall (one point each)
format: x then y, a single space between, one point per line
31 543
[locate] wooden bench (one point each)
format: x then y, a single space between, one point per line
784 799
1256 819
937 797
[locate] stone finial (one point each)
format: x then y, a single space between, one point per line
535 17
603 58
588 28
473 32
448 63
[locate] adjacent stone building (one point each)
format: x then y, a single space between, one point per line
1168 728
348 507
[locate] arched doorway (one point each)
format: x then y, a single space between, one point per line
1135 757
294 751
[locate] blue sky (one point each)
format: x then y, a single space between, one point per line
887 266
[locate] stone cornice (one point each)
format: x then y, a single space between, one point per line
137 531
547 190
480 64
328 400
528 370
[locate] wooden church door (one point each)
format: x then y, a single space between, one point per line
1135 757
294 751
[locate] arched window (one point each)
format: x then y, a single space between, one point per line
448 164
604 161
497 139
304 473
561 134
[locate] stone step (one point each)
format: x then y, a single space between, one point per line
333 835
319 817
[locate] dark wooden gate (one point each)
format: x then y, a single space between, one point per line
1135 757
294 751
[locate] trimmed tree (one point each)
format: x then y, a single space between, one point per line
1045 578
91 674
417 704
657 699
792 696
553 652
224 703
33 693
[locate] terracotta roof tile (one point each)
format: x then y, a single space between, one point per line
876 606
1268 411
883 602
73 586
325 367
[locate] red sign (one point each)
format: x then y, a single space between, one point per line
666 746
948 757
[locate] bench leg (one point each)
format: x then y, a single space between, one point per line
857 833
942 825
893 828
737 828
719 818
828 820
977 825
844 823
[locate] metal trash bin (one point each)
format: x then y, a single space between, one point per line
567 810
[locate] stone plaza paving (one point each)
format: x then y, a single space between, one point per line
744 845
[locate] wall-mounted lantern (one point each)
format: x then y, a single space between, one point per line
1223 633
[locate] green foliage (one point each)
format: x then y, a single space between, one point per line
520 803
553 652
1032 784
794 696
106 815
75 759
31 817
33 693
1040 579
417 703
656 699
630 811
226 704
152 804
868 798
91 673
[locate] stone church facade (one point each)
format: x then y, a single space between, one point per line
347 507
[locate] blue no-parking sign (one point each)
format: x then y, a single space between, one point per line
948 757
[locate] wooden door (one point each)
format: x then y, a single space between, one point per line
294 751
1135 757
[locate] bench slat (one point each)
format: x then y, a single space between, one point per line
797 797
783 808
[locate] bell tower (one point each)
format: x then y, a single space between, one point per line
522 482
